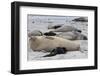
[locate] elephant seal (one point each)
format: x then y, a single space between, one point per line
38 43
73 35
64 28
58 50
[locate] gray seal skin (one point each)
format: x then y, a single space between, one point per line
63 28
68 35
74 35
35 33
81 19
55 26
67 32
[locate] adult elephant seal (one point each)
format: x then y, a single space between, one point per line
63 28
38 43
74 35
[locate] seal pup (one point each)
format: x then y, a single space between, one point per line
58 50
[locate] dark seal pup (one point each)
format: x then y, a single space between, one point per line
58 50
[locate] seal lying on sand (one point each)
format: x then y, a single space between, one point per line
73 35
81 19
54 27
63 28
58 50
38 43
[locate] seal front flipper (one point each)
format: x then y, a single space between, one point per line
53 53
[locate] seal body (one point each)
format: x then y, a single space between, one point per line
38 43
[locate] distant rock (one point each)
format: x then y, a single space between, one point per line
81 19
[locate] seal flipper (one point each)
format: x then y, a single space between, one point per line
53 53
